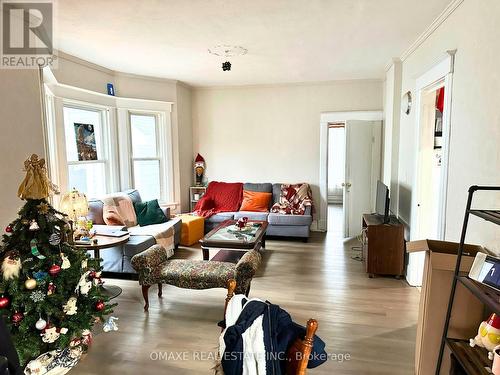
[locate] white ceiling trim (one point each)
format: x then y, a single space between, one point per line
432 27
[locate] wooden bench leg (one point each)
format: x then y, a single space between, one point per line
160 290
145 290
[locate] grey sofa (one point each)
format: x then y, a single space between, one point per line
279 225
117 259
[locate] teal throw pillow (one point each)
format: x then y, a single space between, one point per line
149 213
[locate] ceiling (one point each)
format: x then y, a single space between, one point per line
287 40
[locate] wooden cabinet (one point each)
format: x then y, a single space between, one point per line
383 246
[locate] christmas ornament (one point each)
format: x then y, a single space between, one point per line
40 324
54 239
36 184
488 335
43 208
30 284
40 275
34 249
97 278
110 324
70 307
99 305
65 262
8 229
50 335
86 337
25 221
54 270
34 225
84 285
37 296
84 264
51 289
17 317
11 266
4 302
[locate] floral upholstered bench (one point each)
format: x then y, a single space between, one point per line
154 267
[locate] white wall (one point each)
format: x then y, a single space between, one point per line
20 114
272 133
475 116
392 111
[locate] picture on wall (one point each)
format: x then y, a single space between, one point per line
85 142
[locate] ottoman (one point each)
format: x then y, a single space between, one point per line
192 229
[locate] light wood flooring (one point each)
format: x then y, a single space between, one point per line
372 320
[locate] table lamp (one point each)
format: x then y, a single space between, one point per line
75 205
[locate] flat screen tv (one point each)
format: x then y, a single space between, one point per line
382 201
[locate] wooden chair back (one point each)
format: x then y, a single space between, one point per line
299 352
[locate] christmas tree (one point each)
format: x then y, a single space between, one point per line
50 295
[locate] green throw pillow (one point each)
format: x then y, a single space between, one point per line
149 213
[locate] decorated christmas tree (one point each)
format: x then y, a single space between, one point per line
50 294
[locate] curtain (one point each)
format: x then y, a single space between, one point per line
336 163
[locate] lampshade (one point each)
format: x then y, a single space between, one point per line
74 204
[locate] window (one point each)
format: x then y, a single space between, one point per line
101 144
146 159
86 150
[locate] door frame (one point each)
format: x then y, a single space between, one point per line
325 118
442 71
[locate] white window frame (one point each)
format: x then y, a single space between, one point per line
117 112
163 150
107 150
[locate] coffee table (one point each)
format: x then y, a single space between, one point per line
227 237
105 242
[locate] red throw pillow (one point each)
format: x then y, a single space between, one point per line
255 201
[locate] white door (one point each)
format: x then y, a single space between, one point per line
363 159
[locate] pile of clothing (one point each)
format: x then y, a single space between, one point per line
257 337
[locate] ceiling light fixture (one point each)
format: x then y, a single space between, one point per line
225 50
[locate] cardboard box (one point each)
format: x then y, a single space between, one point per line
467 313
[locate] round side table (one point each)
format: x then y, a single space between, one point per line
105 242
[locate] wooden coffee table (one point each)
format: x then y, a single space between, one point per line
105 242
228 238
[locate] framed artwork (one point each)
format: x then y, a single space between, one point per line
85 141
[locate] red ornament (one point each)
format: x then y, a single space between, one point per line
4 302
99 306
8 229
17 317
54 270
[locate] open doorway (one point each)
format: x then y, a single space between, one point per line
350 159
428 214
430 160
336 177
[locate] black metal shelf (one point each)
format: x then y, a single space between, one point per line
489 296
489 215
474 360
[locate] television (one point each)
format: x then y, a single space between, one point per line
382 201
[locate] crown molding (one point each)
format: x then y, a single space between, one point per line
288 84
66 56
447 12
117 74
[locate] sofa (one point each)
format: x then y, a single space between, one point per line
118 259
278 224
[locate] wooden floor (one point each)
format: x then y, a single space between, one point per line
372 320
